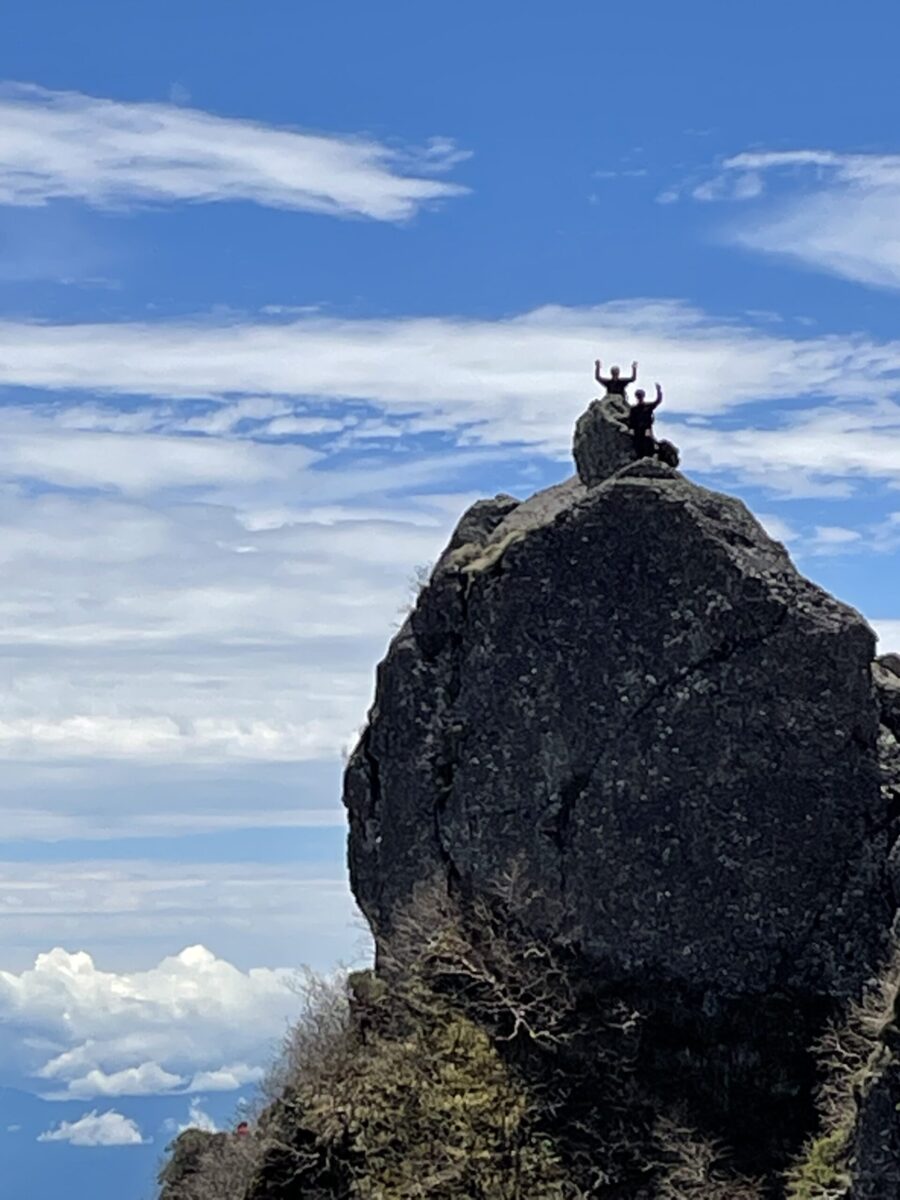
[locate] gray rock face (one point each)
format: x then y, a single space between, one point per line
886 677
603 443
631 691
886 673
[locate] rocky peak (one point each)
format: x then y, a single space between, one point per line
624 686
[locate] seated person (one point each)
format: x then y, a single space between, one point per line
640 422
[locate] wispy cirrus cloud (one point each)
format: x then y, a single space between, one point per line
818 411
506 377
111 153
835 212
820 450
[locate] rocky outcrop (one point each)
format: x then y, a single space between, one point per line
186 1168
886 678
603 443
874 1152
632 689
624 687
650 776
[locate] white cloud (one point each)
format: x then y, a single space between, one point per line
888 632
285 426
827 536
744 186
502 379
225 1079
224 598
197 1118
189 632
193 1023
149 1079
840 213
96 1129
250 911
112 153
818 450
137 463
777 527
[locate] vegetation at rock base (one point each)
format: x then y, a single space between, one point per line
462 1070
854 1055
209 1166
391 1091
691 1166
467 1069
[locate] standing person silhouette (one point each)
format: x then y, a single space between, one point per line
640 422
616 384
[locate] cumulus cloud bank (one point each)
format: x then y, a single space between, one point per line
111 153
193 1023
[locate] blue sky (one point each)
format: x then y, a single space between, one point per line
282 289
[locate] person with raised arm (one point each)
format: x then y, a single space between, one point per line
617 383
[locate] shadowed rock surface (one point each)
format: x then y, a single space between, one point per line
876 1145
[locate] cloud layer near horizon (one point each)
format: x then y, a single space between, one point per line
193 1023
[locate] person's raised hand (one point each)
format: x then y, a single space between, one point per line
634 367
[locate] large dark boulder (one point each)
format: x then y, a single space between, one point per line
631 690
623 690
620 705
